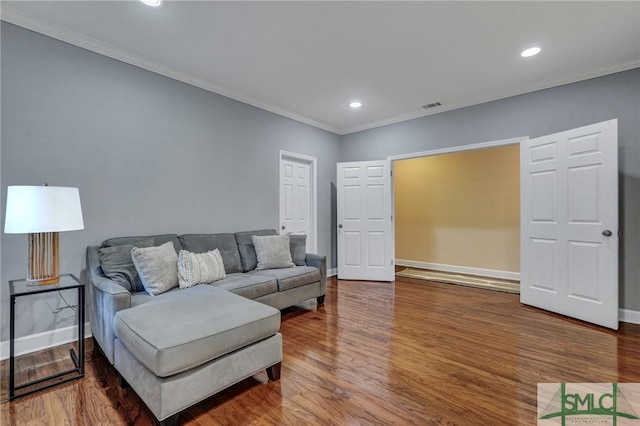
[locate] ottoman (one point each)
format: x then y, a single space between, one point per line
179 350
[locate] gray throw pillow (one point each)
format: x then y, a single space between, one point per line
246 249
157 267
117 264
272 251
298 249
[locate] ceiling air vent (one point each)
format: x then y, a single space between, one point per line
432 105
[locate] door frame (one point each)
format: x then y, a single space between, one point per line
364 271
449 150
312 162
458 148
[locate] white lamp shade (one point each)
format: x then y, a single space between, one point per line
32 209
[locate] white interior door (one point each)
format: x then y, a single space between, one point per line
296 199
569 217
365 229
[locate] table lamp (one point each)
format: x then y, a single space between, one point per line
42 212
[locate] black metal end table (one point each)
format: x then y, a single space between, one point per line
21 288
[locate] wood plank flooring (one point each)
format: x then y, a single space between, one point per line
409 352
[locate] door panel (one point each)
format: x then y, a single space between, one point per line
583 189
288 203
365 232
569 187
542 264
376 250
375 202
352 249
583 270
352 202
542 186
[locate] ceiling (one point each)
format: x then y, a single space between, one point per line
308 60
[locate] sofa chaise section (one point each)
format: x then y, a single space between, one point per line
176 351
181 346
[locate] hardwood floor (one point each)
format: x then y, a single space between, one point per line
409 352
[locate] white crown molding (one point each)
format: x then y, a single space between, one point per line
514 91
30 22
41 26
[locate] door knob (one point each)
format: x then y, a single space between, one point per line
606 233
340 226
284 227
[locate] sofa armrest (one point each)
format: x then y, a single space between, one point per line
319 262
106 298
110 287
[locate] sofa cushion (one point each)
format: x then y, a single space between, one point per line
289 278
116 263
298 249
157 239
157 267
272 251
246 248
169 335
249 286
199 268
226 243
141 297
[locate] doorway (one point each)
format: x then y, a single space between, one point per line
298 197
459 213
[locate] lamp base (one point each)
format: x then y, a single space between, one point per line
48 281
43 258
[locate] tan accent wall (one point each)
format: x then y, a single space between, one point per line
460 209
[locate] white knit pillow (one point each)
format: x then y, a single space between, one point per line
199 268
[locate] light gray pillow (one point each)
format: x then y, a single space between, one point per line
199 268
246 248
272 251
157 267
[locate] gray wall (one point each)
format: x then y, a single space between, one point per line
153 155
536 114
150 155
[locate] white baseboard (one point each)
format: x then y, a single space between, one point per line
44 340
332 272
506 275
627 315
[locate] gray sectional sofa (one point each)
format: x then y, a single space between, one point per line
180 347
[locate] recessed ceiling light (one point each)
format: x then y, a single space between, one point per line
530 52
355 104
154 3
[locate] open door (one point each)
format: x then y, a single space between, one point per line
569 223
365 227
